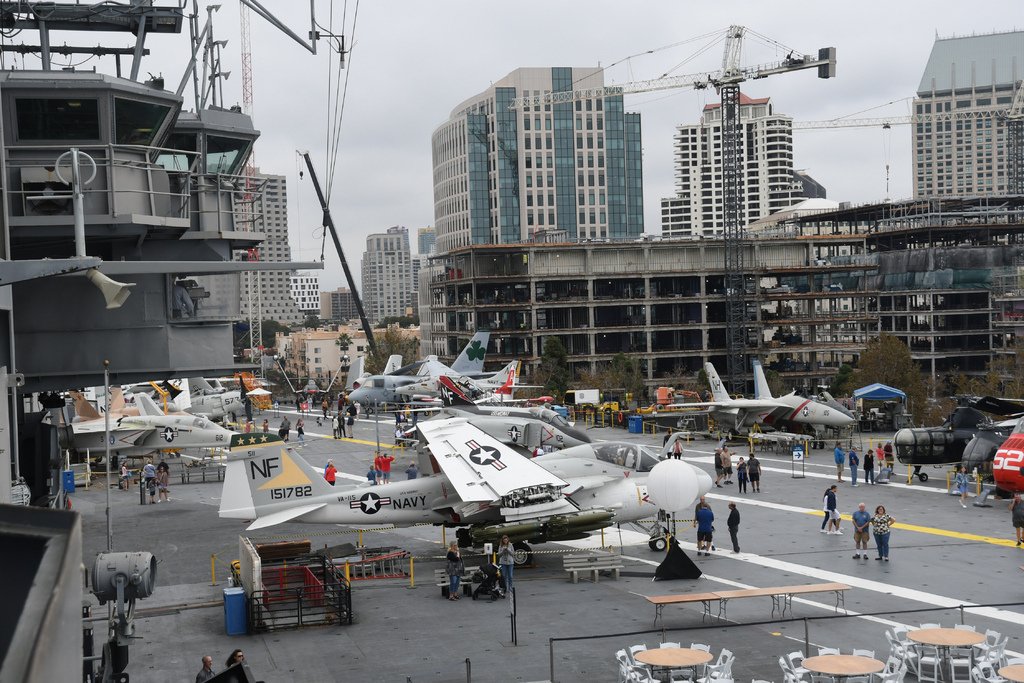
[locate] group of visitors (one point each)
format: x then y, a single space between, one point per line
881 456
880 524
236 657
156 480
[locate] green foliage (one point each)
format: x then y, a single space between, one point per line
311 322
270 330
390 342
343 341
401 321
553 372
842 383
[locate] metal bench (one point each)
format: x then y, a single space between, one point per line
594 562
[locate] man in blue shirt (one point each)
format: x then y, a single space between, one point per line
861 532
705 521
854 466
840 458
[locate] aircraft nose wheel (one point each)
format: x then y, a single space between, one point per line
523 553
658 544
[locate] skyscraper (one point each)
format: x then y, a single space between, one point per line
387 274
960 140
767 183
503 175
426 240
338 305
274 296
306 292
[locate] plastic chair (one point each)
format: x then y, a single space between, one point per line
700 646
929 664
669 644
822 651
930 626
964 627
894 672
632 650
622 657
721 670
864 653
639 673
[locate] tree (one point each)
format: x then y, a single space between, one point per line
842 383
401 321
311 322
270 330
553 371
391 341
343 342
886 359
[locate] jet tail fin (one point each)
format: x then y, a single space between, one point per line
83 409
116 404
717 388
761 389
394 362
264 479
183 398
451 395
147 406
471 360
355 372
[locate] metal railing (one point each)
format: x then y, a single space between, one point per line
305 591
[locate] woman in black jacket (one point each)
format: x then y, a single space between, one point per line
734 526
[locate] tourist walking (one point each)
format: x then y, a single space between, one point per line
385 465
330 472
754 473
861 521
839 457
719 470
300 429
741 476
677 449
1017 515
854 463
286 426
163 478
830 525
880 525
336 428
960 484
869 466
266 426
734 526
411 472
206 673
506 560
727 464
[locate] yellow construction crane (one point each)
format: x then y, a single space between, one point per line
727 82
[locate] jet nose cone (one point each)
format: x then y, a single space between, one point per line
704 482
573 433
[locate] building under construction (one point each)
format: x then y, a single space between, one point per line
942 275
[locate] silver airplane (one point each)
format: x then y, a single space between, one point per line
799 412
381 389
479 484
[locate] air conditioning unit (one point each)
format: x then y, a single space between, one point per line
44 194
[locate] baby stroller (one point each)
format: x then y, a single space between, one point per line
491 582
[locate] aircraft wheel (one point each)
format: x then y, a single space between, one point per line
523 553
923 476
658 544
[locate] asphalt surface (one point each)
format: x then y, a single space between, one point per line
943 556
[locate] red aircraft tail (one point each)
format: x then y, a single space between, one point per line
452 395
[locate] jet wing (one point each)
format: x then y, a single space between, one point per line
283 516
748 404
480 467
577 484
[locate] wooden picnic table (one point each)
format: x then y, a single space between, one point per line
1014 672
942 639
673 657
782 598
659 602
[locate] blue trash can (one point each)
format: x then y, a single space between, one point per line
234 612
67 480
636 424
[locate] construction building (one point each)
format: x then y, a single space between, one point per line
387 274
319 355
961 129
270 292
426 241
503 175
818 288
768 181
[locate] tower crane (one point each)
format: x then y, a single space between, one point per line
726 82
1012 117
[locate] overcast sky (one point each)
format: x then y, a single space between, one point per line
412 61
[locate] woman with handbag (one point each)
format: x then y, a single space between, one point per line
455 569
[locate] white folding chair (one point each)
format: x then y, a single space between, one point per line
894 671
669 644
984 672
931 626
721 670
700 646
795 660
822 651
964 627
632 650
639 673
622 657
929 664
864 653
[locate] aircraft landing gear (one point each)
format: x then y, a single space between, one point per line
523 553
658 544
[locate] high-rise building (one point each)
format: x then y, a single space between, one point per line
502 175
306 292
274 295
338 305
960 141
426 241
387 274
767 182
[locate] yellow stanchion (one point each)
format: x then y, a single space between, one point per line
412 572
348 573
444 542
910 475
213 570
602 536
360 538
